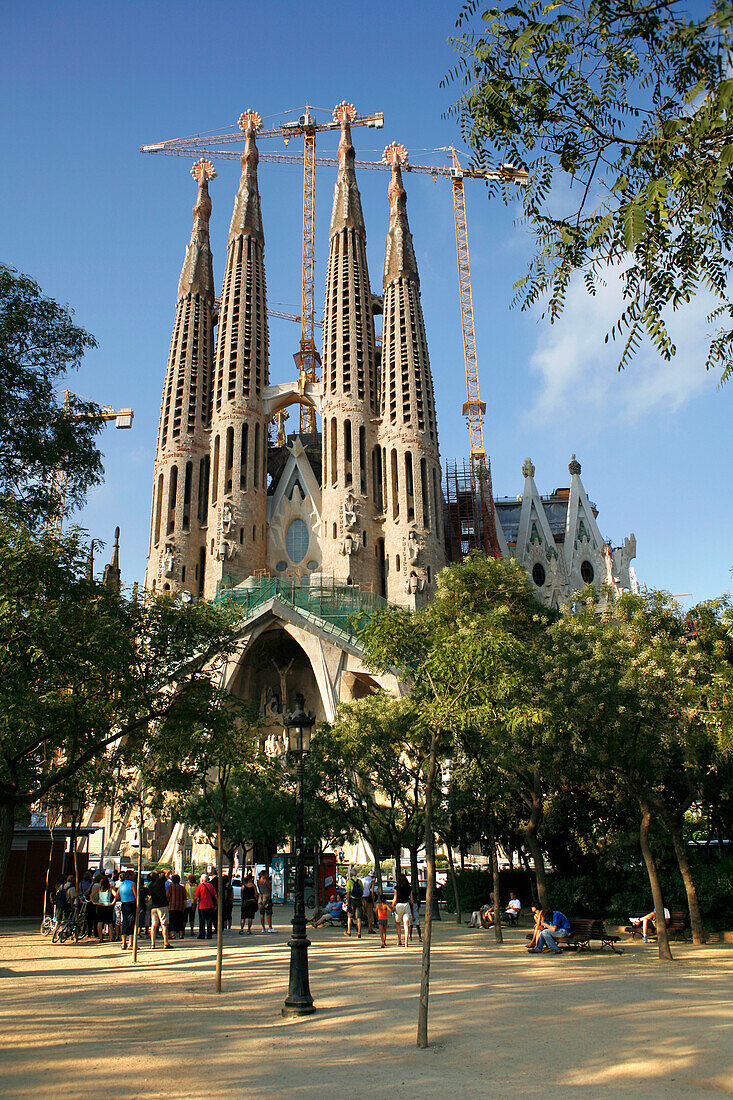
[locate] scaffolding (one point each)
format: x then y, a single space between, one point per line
339 608
470 520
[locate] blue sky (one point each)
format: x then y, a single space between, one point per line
104 228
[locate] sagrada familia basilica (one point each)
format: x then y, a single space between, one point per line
306 529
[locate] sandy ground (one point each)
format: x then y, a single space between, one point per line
82 1021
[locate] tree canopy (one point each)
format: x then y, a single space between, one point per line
621 112
39 433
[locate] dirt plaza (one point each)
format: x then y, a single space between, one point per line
82 1020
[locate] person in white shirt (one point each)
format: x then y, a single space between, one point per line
514 908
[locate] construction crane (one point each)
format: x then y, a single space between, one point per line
59 474
473 408
307 358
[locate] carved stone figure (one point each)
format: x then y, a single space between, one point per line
349 545
350 510
413 547
168 560
227 518
415 583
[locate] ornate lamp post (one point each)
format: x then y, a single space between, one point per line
299 1001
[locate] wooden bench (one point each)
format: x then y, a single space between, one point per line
582 931
676 926
585 929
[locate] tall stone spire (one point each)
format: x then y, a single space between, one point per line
350 495
413 526
181 478
236 535
112 578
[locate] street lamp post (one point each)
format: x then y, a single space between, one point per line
299 1001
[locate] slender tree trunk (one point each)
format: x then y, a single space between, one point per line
530 831
532 880
422 1018
48 869
219 908
698 931
397 860
136 927
454 884
414 870
495 871
72 846
377 864
462 857
651 869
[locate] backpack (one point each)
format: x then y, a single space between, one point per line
357 889
61 900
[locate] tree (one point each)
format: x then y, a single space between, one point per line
81 668
624 682
463 672
368 768
258 807
39 435
621 111
204 743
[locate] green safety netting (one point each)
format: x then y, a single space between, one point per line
334 606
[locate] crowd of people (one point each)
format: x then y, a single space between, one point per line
165 904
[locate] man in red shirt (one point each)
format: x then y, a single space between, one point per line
206 899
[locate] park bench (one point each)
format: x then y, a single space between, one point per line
582 931
676 926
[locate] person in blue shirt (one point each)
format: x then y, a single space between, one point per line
553 926
128 898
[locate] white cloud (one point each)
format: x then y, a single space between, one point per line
578 371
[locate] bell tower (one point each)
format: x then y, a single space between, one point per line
176 558
408 434
351 506
236 536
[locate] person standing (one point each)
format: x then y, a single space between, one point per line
367 901
354 894
128 901
264 900
159 912
105 912
189 917
176 895
227 902
249 903
402 908
206 902
382 918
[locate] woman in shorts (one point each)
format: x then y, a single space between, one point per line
402 908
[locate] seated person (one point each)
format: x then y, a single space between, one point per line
483 917
553 926
513 909
537 919
334 911
645 919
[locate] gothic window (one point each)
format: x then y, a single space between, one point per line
243 457
203 501
297 538
256 458
187 497
229 459
172 494
158 509
538 574
395 487
424 490
347 451
587 572
362 460
215 478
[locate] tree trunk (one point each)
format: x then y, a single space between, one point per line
414 870
139 880
377 865
219 909
495 871
454 884
48 869
532 880
530 832
651 869
422 1018
462 857
397 860
698 931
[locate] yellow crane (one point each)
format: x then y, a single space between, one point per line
307 358
473 408
59 475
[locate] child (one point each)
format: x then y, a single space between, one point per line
382 918
416 920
